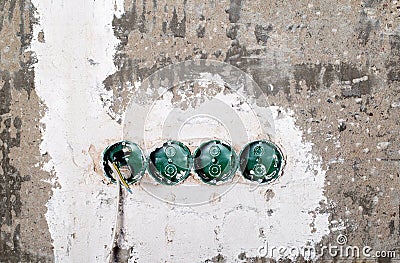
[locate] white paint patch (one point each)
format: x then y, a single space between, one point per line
81 213
232 224
77 33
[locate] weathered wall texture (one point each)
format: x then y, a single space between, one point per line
24 234
334 64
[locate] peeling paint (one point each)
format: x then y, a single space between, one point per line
330 70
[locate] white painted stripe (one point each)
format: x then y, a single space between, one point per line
81 211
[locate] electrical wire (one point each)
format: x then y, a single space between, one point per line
121 177
117 231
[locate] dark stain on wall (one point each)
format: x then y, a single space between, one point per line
348 74
317 76
371 3
177 27
11 10
261 32
393 63
364 29
310 73
201 30
365 201
217 259
234 10
10 180
125 24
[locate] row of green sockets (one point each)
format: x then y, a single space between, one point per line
214 161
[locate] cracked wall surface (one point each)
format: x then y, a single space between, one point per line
334 64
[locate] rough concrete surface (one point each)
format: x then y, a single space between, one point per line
335 64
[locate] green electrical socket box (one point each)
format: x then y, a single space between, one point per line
261 161
129 159
215 162
171 163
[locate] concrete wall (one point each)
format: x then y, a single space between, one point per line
68 70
